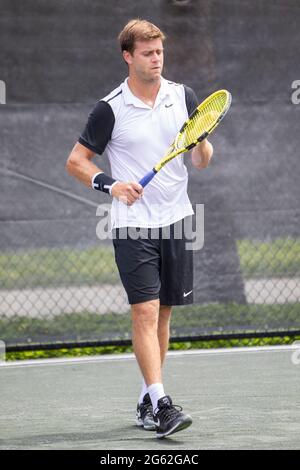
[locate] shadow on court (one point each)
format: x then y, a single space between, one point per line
95 440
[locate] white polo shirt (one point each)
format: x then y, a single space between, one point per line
135 137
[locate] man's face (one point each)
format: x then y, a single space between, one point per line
146 61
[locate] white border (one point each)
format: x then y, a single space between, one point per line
130 357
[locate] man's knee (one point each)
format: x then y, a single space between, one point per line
146 313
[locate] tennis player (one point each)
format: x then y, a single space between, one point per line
135 125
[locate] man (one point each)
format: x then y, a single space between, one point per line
135 124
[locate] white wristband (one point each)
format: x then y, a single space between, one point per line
112 186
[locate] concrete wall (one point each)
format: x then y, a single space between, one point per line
66 50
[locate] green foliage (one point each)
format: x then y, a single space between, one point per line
47 267
280 257
189 320
77 267
81 352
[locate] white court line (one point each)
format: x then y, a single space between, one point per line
131 357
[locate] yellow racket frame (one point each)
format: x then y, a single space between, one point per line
204 119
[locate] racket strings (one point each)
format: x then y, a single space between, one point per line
203 120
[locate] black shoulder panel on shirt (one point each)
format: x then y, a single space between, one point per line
191 99
99 127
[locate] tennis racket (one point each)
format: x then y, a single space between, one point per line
203 120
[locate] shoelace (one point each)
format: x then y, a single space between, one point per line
168 412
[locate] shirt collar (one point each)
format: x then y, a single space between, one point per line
130 98
164 90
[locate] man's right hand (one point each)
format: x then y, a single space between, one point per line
128 193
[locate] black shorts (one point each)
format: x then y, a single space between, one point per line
154 264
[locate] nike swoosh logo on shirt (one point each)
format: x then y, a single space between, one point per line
169 105
188 293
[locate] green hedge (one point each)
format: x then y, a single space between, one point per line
47 267
188 320
81 352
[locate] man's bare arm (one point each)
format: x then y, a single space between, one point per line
80 165
201 154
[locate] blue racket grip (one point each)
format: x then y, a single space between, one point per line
147 178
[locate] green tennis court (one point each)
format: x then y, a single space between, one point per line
243 398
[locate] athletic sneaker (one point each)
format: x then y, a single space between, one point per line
144 414
169 418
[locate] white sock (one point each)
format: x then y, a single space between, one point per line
156 391
143 392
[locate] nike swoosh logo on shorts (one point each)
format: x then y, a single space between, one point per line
188 293
169 105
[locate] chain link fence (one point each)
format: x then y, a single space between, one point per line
63 294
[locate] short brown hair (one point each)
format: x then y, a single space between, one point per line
138 30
